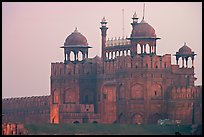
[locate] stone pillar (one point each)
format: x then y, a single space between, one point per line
75 56
177 60
154 48
192 58
145 48
186 62
150 49
65 56
141 49
83 58
182 62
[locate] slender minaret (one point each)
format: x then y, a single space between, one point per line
134 20
103 34
123 29
143 11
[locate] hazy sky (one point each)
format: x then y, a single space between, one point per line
32 34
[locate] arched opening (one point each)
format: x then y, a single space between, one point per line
180 62
137 119
95 122
113 55
71 56
121 53
125 54
110 55
138 49
189 62
106 55
121 92
80 56
154 118
69 96
117 53
156 91
86 99
85 120
122 118
55 97
128 52
147 49
137 92
76 122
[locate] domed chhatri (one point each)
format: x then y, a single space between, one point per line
76 38
143 29
76 43
185 50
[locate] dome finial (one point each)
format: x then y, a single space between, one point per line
104 19
75 29
135 15
184 43
143 11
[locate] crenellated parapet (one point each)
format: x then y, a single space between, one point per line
128 63
186 93
120 41
26 109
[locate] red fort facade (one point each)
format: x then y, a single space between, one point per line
129 84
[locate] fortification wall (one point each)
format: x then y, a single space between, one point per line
33 109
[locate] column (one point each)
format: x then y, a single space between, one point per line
65 57
150 49
75 57
182 62
155 49
192 58
186 62
83 58
176 61
141 49
68 56
145 48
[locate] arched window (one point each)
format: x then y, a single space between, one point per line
106 55
76 122
121 92
71 56
55 97
137 92
80 56
95 122
125 54
113 55
138 48
128 52
137 119
70 96
117 53
156 91
110 56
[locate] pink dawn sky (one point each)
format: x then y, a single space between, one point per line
32 34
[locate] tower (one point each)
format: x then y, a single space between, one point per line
103 34
75 43
185 52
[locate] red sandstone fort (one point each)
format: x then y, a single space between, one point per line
130 83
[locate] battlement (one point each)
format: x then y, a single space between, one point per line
186 92
87 67
117 42
18 99
127 63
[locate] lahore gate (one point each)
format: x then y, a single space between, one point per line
130 83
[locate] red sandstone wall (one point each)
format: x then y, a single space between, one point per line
33 109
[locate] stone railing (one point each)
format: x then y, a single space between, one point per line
117 42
